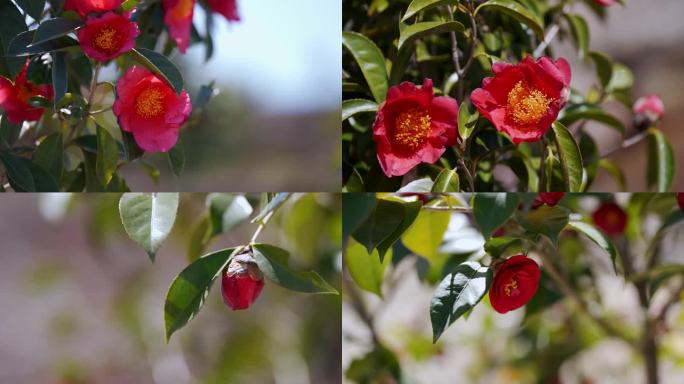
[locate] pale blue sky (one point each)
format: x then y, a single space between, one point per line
284 54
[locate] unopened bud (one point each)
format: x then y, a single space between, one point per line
242 282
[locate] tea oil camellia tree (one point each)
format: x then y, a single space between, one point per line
61 127
512 252
243 271
439 93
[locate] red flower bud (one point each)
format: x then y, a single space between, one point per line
611 219
515 282
548 198
605 3
648 110
680 200
242 282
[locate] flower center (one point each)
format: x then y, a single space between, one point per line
511 288
412 128
107 39
183 9
527 106
150 103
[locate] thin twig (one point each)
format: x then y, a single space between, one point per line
627 143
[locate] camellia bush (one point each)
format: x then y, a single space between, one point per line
62 128
438 94
243 270
538 254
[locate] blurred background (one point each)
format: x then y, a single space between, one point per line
548 341
274 125
647 36
83 304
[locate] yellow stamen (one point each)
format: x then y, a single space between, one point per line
510 287
149 103
527 106
412 128
107 39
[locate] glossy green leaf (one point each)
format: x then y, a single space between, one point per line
466 121
498 246
176 157
148 218
60 76
9 132
622 78
570 157
190 289
598 238
457 294
423 185
356 207
50 155
272 262
423 5
604 67
517 11
371 61
386 224
661 166
590 112
447 181
18 172
53 28
425 235
107 156
353 106
227 211
580 31
22 45
279 199
13 24
199 239
161 65
413 32
366 269
545 220
33 8
491 210
614 171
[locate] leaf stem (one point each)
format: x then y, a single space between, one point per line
627 143
93 84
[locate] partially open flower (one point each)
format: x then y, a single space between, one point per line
15 96
611 219
605 3
108 36
178 19
647 111
548 198
412 127
523 100
242 282
680 200
515 282
228 8
86 7
150 109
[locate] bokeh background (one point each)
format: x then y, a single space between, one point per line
274 125
647 36
81 303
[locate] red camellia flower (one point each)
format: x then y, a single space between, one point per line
523 100
242 282
650 107
548 198
148 107
605 3
228 8
108 36
680 200
178 18
86 7
413 126
14 97
516 281
611 219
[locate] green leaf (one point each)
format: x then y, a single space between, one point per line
9 132
570 157
107 156
272 262
425 235
413 32
622 78
18 172
22 45
466 121
353 106
13 24
517 11
491 210
190 288
128 5
545 220
159 64
457 294
447 181
371 61
199 239
598 238
148 218
497 246
356 207
34 8
615 171
591 112
423 5
423 185
54 28
661 165
272 205
604 67
50 155
177 158
227 211
366 269
60 76
580 31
